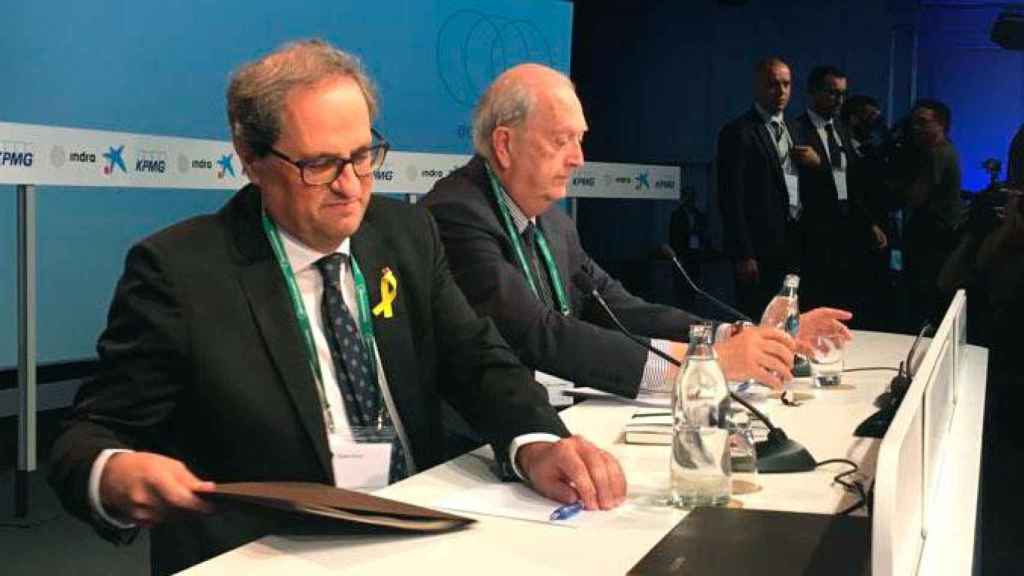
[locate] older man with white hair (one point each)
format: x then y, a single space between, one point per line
518 259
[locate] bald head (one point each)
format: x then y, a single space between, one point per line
529 125
772 84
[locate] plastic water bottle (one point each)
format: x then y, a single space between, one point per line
783 312
700 468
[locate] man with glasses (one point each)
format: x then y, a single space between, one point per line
840 233
305 332
519 260
933 210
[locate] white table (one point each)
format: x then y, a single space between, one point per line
505 546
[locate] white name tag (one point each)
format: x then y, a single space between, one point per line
556 387
359 465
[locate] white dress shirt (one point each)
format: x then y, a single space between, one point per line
784 149
838 172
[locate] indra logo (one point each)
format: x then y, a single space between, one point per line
151 161
115 159
473 48
16 154
641 181
665 184
225 166
82 157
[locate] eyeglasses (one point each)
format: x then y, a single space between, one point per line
326 169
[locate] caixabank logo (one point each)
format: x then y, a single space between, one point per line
115 160
151 162
16 154
641 181
225 166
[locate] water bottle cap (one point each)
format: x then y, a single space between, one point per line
791 281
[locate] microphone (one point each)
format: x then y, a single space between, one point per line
671 254
876 425
776 454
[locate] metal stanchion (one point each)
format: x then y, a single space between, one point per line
26 347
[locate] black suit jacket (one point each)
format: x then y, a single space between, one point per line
752 192
203 360
582 347
818 194
833 240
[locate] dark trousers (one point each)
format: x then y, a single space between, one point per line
753 297
927 244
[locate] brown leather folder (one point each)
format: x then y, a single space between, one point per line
348 506
730 541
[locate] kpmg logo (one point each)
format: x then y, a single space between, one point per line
225 166
151 161
115 159
584 181
641 181
383 175
16 154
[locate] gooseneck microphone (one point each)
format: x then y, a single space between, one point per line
775 454
671 254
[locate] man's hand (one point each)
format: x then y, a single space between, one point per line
764 354
573 469
822 322
806 156
145 488
881 240
747 270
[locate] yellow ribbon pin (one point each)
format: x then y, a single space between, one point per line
388 293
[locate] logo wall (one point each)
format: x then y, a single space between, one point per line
99 158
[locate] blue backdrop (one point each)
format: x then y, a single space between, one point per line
161 68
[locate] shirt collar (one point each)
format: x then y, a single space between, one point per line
302 257
519 220
817 120
778 116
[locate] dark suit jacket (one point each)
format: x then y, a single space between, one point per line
752 192
836 245
203 360
818 193
583 347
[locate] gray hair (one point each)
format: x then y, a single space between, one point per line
505 103
258 89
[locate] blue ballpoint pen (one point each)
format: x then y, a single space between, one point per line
566 511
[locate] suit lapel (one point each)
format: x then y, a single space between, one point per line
271 307
393 335
769 150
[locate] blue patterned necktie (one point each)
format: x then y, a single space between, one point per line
364 404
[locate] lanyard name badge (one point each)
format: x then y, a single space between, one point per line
517 245
364 459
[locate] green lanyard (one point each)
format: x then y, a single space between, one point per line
365 323
517 244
